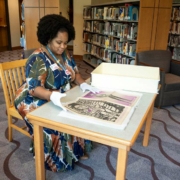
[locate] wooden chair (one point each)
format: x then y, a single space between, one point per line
12 76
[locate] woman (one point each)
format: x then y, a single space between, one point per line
49 71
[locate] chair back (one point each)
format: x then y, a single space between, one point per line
12 76
156 58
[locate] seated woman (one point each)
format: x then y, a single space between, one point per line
49 72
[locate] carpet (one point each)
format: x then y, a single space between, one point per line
160 160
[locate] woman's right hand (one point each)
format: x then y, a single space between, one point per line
55 98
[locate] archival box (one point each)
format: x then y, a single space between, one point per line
126 77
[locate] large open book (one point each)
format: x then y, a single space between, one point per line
105 108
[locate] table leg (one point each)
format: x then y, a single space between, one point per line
148 126
39 152
121 164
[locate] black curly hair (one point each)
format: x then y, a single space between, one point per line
50 25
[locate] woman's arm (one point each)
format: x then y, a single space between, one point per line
78 79
41 93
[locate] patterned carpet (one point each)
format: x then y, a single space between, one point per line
159 161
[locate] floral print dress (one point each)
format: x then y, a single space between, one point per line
61 150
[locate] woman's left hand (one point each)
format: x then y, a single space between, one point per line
84 86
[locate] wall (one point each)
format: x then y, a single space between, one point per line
63 7
78 25
13 7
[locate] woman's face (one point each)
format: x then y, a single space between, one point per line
59 43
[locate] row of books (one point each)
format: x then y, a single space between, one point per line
121 59
126 12
92 59
123 30
113 44
115 58
105 54
99 52
175 15
174 27
102 40
174 40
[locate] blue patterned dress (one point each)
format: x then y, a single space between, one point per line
61 150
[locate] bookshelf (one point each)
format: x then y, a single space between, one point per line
174 32
22 24
115 31
110 33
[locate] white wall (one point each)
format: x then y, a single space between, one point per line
78 25
14 22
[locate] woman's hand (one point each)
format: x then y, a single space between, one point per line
55 98
84 86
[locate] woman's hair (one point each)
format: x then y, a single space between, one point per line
50 25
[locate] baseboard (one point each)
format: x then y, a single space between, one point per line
17 48
78 57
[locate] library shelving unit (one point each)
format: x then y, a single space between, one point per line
22 24
174 32
113 32
110 33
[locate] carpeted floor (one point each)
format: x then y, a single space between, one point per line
159 161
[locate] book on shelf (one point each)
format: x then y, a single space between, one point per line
121 13
105 15
100 13
115 13
87 13
106 108
87 47
99 61
174 40
133 31
133 12
127 48
93 60
175 15
132 49
87 57
176 54
120 58
97 12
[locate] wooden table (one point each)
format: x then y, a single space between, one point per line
47 116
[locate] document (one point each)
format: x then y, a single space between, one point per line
104 108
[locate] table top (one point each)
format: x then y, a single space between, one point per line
50 112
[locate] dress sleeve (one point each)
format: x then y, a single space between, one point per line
36 71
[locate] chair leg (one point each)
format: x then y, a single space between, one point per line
9 128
